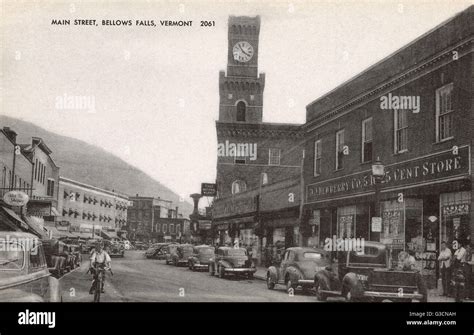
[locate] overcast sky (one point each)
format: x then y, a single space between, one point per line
155 89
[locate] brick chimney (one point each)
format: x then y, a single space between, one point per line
11 134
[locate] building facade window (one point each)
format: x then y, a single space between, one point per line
367 138
165 228
401 130
274 156
317 157
50 188
444 113
240 160
238 186
171 228
241 111
340 149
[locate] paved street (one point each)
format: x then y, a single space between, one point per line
139 279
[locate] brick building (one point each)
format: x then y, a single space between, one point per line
144 220
252 154
424 142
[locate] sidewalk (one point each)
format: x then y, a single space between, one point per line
433 295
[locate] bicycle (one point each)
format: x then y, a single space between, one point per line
99 278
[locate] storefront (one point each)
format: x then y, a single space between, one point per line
423 202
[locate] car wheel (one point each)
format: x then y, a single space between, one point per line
270 283
221 272
250 275
319 286
351 295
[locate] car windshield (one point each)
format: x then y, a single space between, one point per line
237 252
312 255
11 256
206 251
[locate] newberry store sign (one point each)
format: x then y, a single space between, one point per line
419 171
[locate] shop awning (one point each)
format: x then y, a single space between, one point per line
16 220
109 235
56 233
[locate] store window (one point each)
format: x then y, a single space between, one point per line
455 209
353 221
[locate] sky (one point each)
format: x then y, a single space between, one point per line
150 94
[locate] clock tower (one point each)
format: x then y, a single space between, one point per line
241 88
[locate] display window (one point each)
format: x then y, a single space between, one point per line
353 222
455 210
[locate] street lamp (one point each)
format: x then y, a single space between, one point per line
378 172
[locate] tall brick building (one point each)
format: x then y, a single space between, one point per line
252 154
425 144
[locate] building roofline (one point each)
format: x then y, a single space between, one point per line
386 58
95 188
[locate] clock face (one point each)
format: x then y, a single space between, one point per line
242 51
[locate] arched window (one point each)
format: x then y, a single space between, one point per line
238 186
241 107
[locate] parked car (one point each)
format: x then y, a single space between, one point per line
201 257
180 254
297 268
57 256
232 261
367 276
114 248
168 251
156 251
24 274
140 245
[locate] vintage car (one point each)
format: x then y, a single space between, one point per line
297 268
57 256
156 251
24 274
179 255
114 248
367 276
140 245
230 260
201 257
168 251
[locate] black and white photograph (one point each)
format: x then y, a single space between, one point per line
237 151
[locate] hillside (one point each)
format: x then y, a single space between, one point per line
92 165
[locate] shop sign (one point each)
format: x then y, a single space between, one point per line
16 198
208 190
205 224
377 224
455 210
416 171
232 206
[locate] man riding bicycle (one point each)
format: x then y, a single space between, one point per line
100 259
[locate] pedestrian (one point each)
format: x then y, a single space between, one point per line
444 259
462 271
